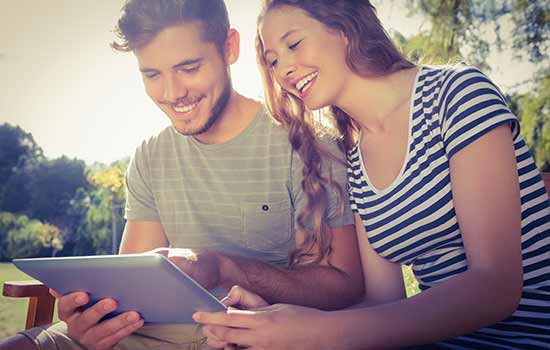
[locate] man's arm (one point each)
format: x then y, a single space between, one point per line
334 283
142 236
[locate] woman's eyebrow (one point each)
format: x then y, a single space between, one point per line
283 37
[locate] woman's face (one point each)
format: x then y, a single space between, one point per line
306 58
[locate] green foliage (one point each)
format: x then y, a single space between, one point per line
76 237
105 216
534 109
532 28
411 284
16 148
7 223
95 215
23 237
53 185
453 24
460 24
18 152
422 48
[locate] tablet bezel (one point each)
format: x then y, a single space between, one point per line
167 295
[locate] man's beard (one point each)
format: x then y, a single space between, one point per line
217 110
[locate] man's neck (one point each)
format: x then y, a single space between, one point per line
235 118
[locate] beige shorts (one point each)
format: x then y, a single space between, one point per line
162 337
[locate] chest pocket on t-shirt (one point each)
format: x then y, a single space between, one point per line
267 225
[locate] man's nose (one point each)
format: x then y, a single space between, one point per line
174 89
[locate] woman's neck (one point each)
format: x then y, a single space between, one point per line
371 102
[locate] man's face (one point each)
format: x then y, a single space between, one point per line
186 77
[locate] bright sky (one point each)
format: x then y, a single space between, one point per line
63 83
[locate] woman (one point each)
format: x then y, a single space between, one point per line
439 178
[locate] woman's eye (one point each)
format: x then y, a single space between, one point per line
273 63
295 45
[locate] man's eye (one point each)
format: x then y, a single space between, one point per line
190 69
151 75
273 63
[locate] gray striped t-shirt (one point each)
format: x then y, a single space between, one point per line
240 197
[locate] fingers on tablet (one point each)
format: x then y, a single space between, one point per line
69 304
108 333
243 299
92 315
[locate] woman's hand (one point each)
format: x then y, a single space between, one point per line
279 326
240 298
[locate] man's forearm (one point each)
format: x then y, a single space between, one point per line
318 286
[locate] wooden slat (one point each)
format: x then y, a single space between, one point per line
23 289
41 302
31 312
40 311
546 179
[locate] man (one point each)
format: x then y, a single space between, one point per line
222 180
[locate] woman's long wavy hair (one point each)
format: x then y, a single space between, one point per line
370 53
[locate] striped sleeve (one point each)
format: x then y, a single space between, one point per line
471 106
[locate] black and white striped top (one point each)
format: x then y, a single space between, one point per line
413 221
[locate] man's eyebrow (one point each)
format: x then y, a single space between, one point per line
186 62
283 37
147 70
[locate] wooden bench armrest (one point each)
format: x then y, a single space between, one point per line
41 302
24 289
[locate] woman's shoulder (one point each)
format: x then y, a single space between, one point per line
451 73
456 80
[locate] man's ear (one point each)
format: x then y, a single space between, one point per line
344 36
232 46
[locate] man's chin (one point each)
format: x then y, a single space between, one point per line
191 130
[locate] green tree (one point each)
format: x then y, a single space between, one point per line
532 28
18 153
31 238
463 24
7 223
77 239
53 184
108 198
423 49
534 109
454 26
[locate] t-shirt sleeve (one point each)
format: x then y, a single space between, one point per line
351 178
140 202
336 217
471 106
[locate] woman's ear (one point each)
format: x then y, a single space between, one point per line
232 46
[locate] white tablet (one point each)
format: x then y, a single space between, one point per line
147 283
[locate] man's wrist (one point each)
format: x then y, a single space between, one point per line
230 273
